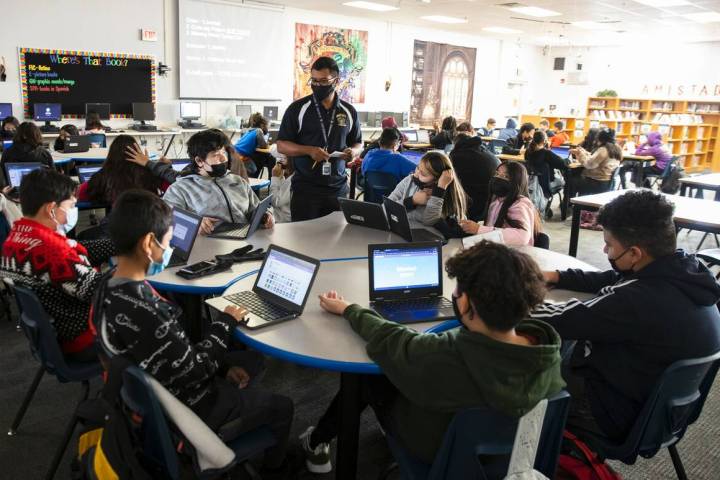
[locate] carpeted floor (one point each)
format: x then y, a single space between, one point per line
27 455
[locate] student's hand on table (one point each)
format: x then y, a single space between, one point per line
207 225
236 313
421 197
238 376
333 302
277 170
318 154
469 226
268 221
446 178
551 278
137 155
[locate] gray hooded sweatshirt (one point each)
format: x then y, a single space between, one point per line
428 214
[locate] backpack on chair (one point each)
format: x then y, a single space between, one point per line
579 462
671 183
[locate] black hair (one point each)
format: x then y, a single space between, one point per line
641 218
544 121
518 188
527 127
11 120
118 174
70 129
539 138
323 63
559 125
205 142
135 214
502 284
466 127
44 185
388 137
449 123
589 142
606 138
257 120
92 121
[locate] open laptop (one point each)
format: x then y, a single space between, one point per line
179 165
366 214
400 225
77 144
412 135
186 226
14 173
423 136
85 173
406 282
241 231
280 291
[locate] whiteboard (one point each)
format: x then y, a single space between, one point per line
226 50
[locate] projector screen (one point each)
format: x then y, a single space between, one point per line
225 51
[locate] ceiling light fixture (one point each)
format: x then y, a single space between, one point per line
375 7
444 19
663 3
590 25
535 11
501 30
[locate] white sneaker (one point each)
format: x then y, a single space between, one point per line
317 460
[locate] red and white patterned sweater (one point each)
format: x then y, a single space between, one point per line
60 271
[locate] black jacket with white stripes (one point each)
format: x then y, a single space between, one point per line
634 329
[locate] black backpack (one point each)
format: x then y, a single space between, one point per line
671 183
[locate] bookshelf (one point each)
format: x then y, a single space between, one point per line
690 128
574 126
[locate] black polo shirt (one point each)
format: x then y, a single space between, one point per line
301 125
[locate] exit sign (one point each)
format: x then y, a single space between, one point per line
148 35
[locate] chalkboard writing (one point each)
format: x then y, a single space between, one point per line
74 78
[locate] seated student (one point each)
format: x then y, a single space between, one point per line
255 138
281 188
210 190
474 166
655 307
9 126
544 127
134 320
444 136
466 128
588 142
66 131
559 138
93 124
518 144
118 175
653 147
27 147
600 164
386 159
387 122
433 192
543 162
509 208
510 130
489 128
497 359
60 271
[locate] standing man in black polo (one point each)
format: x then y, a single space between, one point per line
321 133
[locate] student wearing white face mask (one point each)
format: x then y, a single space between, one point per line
37 254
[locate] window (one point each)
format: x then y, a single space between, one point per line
455 81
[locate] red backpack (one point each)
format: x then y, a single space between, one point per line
581 463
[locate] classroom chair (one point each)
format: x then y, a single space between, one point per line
98 138
496 145
37 326
378 185
711 257
675 404
158 444
480 432
542 240
658 178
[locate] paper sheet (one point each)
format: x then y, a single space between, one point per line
492 236
526 443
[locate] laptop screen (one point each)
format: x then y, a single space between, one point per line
185 229
405 268
179 166
412 135
423 136
16 172
286 276
84 173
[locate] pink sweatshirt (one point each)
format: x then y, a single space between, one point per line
523 211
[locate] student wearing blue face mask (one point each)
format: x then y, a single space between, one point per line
134 320
38 255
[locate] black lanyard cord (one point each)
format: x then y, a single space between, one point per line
325 132
227 202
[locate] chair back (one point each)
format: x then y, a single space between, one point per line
669 166
614 179
496 145
542 240
37 326
157 443
378 185
98 138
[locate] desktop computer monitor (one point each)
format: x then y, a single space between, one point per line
190 110
5 110
102 109
143 111
47 112
363 118
271 113
243 111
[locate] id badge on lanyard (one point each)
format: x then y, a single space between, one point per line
326 166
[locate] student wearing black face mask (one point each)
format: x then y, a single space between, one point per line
313 128
211 190
509 209
655 307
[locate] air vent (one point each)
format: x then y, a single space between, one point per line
510 5
559 63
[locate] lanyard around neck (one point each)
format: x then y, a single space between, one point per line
325 131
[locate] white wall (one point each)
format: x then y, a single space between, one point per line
115 27
629 69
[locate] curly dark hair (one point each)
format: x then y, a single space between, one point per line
641 218
503 284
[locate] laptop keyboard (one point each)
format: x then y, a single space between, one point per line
255 304
239 232
415 304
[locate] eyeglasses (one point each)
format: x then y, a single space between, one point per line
321 83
